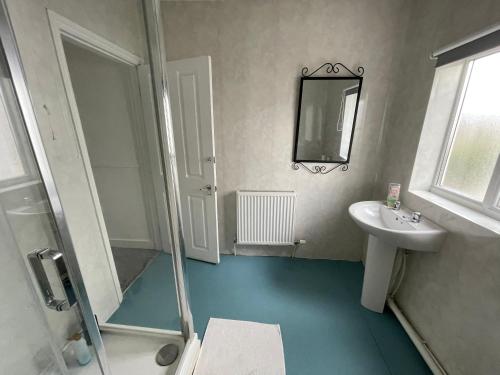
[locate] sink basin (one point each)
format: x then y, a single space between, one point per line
395 228
389 230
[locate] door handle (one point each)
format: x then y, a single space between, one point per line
35 259
207 188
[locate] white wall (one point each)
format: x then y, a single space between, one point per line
106 95
258 49
452 297
120 21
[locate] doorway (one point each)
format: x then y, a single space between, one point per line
109 96
111 114
190 88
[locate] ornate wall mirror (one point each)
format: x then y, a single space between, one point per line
326 119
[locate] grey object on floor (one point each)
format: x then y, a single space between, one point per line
167 354
131 263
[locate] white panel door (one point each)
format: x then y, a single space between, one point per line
190 87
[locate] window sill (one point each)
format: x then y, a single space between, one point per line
463 212
20 185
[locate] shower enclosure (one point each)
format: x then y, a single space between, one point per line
50 256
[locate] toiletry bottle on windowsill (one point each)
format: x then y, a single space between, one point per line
393 194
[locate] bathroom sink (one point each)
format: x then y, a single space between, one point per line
395 227
389 230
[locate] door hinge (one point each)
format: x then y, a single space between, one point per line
211 159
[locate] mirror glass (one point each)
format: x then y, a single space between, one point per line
326 119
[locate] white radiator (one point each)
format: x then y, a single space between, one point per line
265 217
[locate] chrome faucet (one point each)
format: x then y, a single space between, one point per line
397 205
416 217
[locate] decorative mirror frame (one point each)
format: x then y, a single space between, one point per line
329 69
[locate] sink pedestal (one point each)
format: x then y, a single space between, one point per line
378 271
389 230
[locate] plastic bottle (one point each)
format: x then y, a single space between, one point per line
81 350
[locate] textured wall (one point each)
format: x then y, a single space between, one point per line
119 21
452 297
258 49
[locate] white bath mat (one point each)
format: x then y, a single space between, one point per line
234 347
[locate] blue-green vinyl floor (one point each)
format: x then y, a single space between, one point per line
316 302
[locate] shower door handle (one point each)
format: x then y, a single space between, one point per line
35 258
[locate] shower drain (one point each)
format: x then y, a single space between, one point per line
167 354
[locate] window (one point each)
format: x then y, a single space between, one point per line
469 170
15 166
12 166
346 117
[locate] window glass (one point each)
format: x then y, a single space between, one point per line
476 140
347 121
12 166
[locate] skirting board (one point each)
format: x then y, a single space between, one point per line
132 243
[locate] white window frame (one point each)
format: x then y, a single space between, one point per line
491 203
13 112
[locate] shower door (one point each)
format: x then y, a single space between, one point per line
39 309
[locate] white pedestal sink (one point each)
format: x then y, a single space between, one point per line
389 230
